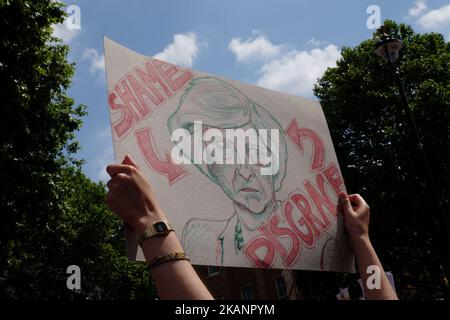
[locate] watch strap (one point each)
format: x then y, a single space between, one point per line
159 228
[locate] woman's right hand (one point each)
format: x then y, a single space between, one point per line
356 215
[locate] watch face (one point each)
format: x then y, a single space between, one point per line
160 227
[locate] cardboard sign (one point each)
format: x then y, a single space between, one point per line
271 202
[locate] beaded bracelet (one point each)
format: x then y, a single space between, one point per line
167 258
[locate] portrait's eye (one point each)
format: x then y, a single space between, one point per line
264 156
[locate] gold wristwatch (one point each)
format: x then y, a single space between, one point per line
159 228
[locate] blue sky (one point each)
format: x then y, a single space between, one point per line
283 45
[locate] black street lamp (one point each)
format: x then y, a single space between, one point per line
389 48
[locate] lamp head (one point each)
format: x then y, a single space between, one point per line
389 49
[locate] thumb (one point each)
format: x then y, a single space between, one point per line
129 161
345 202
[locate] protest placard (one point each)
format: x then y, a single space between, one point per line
247 176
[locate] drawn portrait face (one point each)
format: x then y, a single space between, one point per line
218 104
243 183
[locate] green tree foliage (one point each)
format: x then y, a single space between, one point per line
51 215
378 153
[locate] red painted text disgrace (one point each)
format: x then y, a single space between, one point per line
304 218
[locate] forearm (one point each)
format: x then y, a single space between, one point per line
365 257
176 279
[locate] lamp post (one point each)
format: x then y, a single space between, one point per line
389 48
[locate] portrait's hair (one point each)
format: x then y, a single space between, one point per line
218 104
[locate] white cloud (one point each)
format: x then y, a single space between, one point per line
293 72
436 19
182 51
67 31
420 6
258 48
65 34
296 72
315 42
96 60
